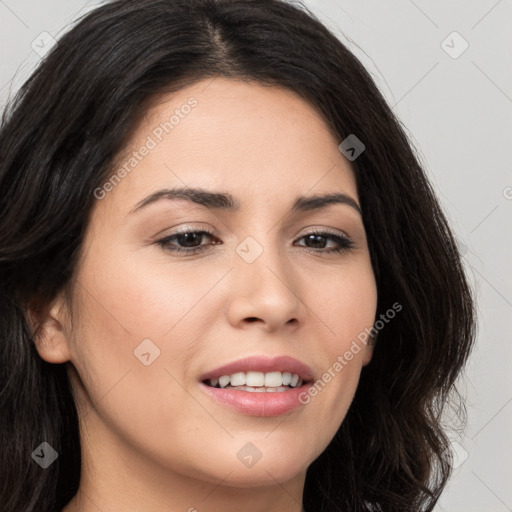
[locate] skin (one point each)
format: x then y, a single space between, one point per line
151 439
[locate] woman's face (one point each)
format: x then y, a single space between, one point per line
151 323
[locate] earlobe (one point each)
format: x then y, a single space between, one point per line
368 354
49 331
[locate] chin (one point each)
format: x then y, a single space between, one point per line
262 475
262 470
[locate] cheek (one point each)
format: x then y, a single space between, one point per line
120 306
149 296
346 307
130 309
346 303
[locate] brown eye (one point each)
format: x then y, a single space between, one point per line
318 241
185 241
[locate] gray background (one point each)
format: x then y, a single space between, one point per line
458 110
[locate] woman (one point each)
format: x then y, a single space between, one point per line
226 281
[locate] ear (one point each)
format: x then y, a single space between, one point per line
50 330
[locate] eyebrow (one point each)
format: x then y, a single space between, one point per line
227 202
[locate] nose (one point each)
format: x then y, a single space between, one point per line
265 291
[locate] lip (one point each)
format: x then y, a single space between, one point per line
264 403
258 404
262 364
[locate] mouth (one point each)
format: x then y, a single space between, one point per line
259 386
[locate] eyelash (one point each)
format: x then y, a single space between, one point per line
345 244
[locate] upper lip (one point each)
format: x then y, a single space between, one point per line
262 364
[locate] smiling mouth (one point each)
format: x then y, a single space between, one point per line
257 382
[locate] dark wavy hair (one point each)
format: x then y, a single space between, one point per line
59 138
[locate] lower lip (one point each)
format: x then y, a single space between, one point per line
258 403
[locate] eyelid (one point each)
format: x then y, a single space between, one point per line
323 229
164 233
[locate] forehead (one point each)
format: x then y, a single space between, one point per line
260 142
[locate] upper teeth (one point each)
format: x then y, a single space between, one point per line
257 379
